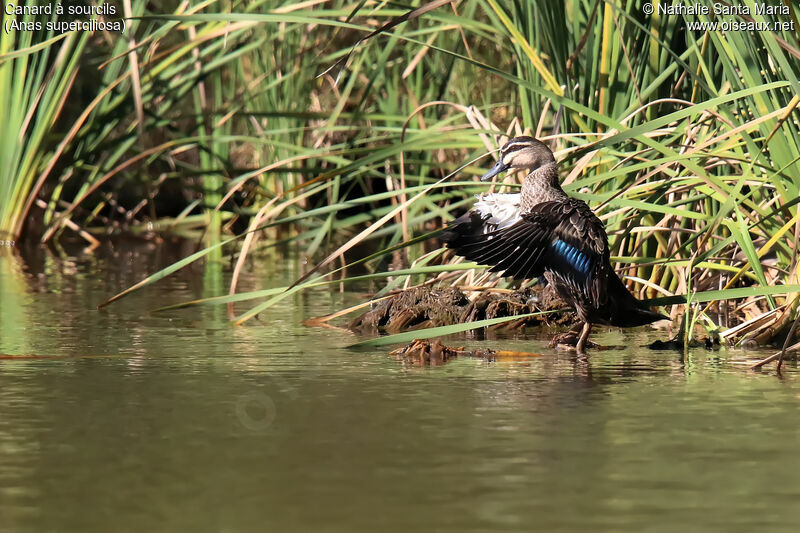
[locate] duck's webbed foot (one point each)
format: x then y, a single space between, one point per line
575 340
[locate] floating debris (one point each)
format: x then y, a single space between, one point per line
434 353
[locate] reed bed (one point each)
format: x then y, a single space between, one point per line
332 126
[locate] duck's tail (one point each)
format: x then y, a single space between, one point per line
628 311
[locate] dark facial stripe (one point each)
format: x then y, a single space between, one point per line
517 143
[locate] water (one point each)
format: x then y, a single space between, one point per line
126 420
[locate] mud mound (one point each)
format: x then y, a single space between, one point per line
425 307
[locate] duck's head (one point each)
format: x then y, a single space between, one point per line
521 152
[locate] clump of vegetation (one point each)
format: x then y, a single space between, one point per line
277 123
426 307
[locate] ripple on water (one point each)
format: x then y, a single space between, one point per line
177 421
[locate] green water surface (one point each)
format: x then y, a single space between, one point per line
127 420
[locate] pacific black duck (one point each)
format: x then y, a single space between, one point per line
543 232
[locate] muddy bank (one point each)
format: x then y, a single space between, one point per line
426 307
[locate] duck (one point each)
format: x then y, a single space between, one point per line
541 232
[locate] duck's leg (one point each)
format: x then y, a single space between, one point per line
576 340
587 327
569 338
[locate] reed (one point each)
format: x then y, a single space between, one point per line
37 73
684 142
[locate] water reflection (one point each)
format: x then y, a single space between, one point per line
177 421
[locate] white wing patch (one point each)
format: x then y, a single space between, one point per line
499 211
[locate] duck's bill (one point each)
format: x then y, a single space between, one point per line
496 169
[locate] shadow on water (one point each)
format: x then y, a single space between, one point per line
177 421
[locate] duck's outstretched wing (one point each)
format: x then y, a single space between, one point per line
490 213
562 237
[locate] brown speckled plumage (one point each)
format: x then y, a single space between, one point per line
541 185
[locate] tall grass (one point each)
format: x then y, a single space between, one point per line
685 143
37 73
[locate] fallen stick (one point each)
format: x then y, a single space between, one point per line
778 355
